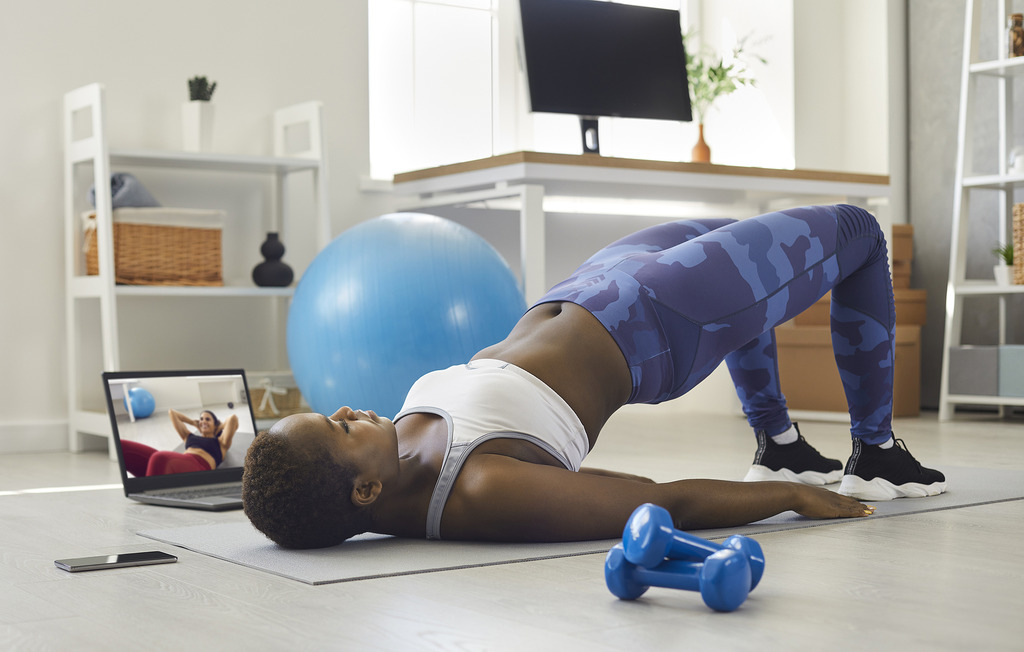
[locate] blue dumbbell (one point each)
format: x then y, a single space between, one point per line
650 536
723 579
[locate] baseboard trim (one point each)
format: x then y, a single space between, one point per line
33 436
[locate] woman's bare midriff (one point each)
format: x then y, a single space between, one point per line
206 457
570 351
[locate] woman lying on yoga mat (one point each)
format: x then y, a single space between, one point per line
490 450
203 451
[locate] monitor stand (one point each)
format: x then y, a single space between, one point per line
588 130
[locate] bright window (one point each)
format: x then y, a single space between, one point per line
430 83
446 86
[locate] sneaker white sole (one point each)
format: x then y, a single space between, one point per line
882 489
758 473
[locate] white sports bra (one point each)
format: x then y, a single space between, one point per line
491 399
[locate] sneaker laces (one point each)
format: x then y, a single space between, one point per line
901 444
800 439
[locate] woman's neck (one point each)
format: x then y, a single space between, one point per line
402 508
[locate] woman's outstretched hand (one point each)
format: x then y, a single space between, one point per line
818 502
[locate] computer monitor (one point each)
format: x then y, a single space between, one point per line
591 59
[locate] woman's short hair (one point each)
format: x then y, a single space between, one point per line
300 497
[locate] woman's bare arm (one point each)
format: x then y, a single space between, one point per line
615 474
227 431
179 420
504 499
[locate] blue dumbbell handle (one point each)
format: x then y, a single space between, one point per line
670 574
723 591
685 544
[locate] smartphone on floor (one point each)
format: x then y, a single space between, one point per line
115 561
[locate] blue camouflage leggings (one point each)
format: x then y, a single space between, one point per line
679 298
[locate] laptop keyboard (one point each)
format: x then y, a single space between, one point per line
202 492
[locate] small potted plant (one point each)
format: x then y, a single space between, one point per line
1004 269
709 78
200 89
197 115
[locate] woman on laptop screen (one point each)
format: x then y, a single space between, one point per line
204 449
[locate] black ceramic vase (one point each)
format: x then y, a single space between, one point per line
272 272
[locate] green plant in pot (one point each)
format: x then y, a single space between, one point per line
1004 269
711 77
197 116
200 89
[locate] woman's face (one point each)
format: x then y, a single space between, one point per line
367 441
207 425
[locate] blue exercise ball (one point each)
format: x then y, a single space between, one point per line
142 402
389 300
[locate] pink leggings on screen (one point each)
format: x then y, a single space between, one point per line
142 460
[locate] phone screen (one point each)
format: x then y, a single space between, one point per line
115 561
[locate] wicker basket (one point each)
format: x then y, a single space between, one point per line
1018 244
160 246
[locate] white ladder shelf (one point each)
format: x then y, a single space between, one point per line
1003 182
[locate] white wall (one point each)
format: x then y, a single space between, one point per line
264 54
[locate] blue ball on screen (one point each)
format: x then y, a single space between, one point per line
142 402
391 299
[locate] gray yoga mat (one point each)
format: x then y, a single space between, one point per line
372 556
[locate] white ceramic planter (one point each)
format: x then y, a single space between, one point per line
197 126
1003 274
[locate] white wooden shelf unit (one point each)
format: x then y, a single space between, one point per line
1003 182
85 106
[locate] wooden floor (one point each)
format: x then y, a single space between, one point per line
945 580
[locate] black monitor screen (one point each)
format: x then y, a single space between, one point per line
591 58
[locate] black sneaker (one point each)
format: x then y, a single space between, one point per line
876 473
796 462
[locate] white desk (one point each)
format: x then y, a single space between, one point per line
530 176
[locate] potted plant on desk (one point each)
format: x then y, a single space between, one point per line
709 78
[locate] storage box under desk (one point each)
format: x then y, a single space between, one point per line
911 309
902 245
810 378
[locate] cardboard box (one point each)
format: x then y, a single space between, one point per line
810 378
973 370
902 245
911 309
1011 370
900 274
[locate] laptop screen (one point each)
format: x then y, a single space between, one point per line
179 428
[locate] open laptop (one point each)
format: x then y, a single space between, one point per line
142 425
